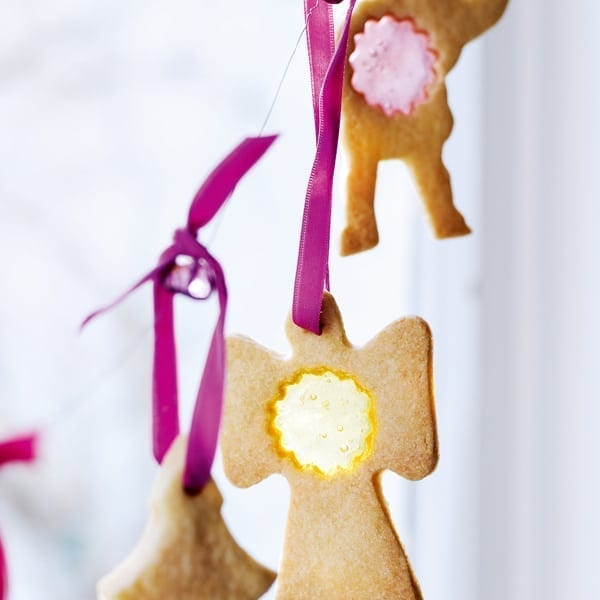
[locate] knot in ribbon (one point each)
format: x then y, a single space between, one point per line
187 267
190 269
18 449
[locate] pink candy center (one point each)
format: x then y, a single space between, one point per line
393 65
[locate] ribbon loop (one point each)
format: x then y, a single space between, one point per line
312 271
187 267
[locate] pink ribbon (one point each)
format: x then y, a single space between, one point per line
19 449
327 75
170 277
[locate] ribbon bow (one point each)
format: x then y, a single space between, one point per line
181 269
18 449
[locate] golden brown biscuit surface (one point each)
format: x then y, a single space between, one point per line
417 138
186 551
375 401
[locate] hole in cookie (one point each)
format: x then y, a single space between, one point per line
393 65
323 421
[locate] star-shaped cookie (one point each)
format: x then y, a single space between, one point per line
331 418
186 551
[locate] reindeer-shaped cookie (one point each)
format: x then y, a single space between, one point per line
395 103
331 418
186 552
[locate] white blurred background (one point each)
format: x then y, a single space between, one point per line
111 114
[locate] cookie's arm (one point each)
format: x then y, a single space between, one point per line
252 378
399 362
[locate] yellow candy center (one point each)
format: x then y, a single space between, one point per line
323 421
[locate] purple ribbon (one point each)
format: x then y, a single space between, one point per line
18 449
180 266
327 75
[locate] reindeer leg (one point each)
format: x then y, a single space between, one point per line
433 181
361 228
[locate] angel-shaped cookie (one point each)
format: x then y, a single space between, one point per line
395 103
186 551
331 418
